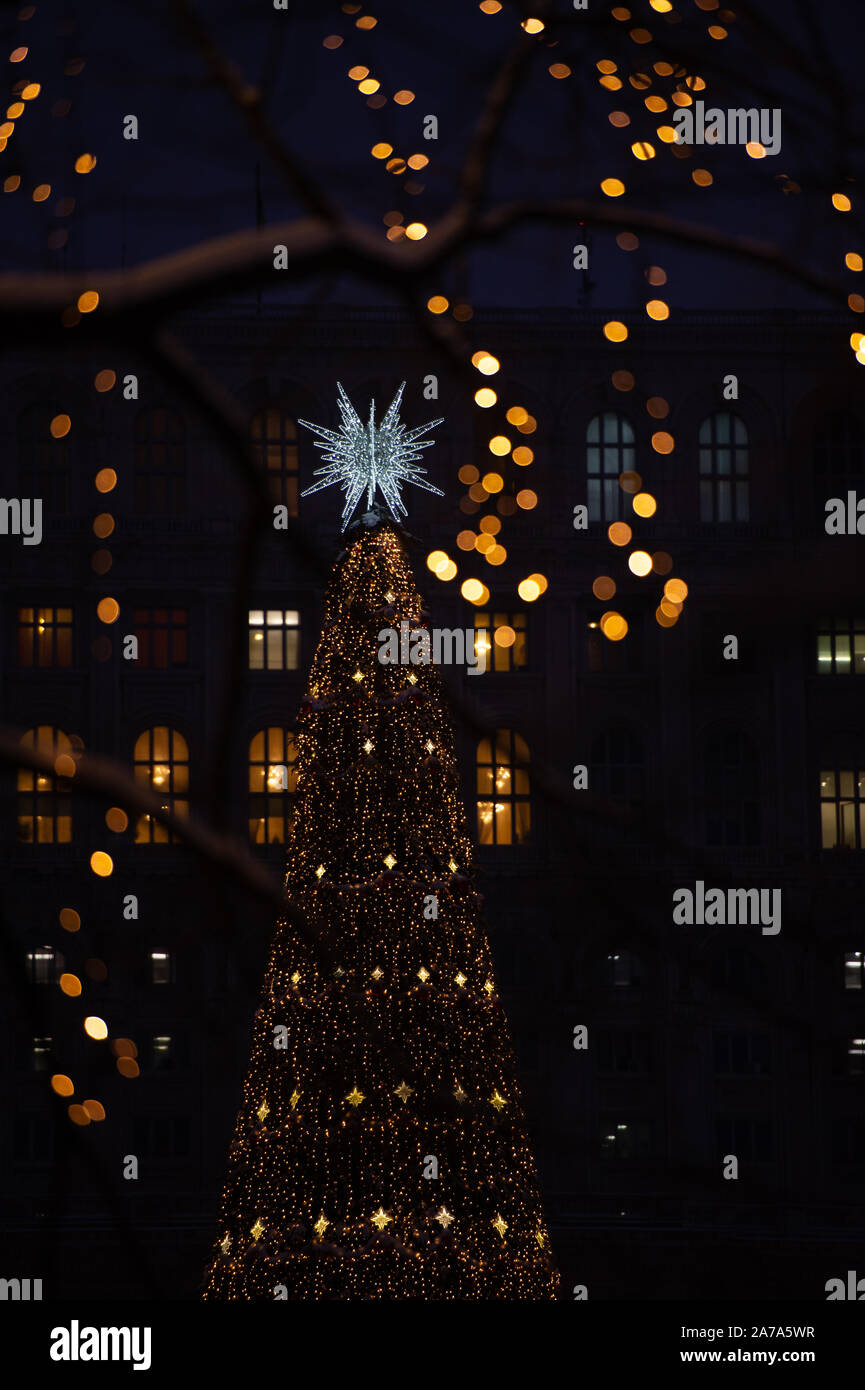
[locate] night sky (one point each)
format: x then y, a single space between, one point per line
191 175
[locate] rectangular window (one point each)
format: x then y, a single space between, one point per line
161 968
741 1054
274 639
45 637
624 1052
841 647
626 1139
842 809
749 1137
856 1056
854 961
163 637
44 965
503 640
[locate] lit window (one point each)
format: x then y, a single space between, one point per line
162 765
160 463
856 1056
503 807
41 1052
724 484
272 783
161 1052
44 965
842 809
841 647
44 803
163 639
626 1139
274 435
44 636
609 452
854 964
274 639
161 968
504 643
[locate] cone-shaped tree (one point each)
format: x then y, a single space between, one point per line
380 1152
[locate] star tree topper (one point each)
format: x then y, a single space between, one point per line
369 456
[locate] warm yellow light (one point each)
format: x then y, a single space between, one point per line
657 309
486 364
604 587
62 1085
85 163
12 183
613 626
41 192
88 301
644 504
415 231
640 563
559 70
368 86
517 415
614 188
70 985
485 397
533 26
662 442
840 202
382 150
496 556
18 55
403 97
676 589
436 560
449 572
108 610
853 260
15 110
528 590
667 134
490 6
615 331
641 149
499 445
466 540
702 178
101 863
358 73
474 591
527 499
619 533
31 91
665 619
437 304
522 455
492 482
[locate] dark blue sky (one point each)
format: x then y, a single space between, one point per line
192 173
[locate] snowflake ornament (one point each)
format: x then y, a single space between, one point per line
369 456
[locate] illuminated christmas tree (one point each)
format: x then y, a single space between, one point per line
380 1152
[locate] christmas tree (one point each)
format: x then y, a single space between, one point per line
380 1152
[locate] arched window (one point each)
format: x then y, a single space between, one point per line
272 784
724 475
504 810
162 764
160 462
619 767
839 450
732 791
44 803
274 434
609 452
43 461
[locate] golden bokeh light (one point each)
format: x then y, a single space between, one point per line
96 1028
528 590
492 482
615 331
676 589
437 560
614 188
604 587
105 480
474 591
101 863
416 231
499 445
523 455
70 985
103 525
69 919
641 149
662 442
640 563
517 415
116 819
62 1085
613 626
644 504
87 301
841 203
466 540
105 380
619 533
485 397
85 163
657 309
853 260
60 426
95 1109
108 610
468 474
527 499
